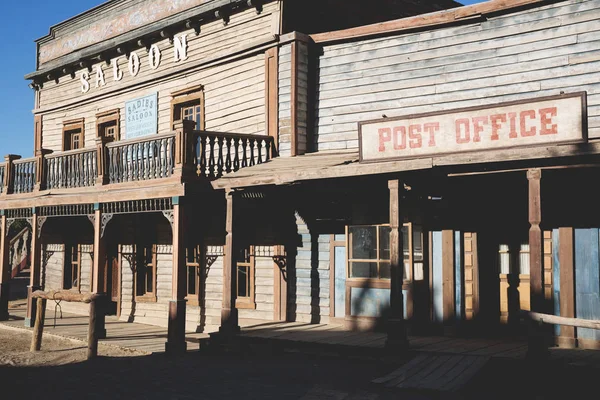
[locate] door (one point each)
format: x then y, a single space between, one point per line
113 284
338 254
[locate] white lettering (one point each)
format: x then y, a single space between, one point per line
154 56
117 73
180 49
100 81
85 85
134 64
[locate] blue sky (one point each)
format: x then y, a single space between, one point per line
22 23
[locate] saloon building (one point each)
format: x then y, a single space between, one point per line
407 165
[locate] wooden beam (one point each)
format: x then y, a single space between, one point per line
425 21
271 94
448 289
566 257
5 267
536 243
99 273
177 306
229 314
397 340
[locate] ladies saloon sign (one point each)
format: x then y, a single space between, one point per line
550 120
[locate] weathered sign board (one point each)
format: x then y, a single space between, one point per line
141 117
542 121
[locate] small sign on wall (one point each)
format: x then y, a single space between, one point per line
141 117
542 121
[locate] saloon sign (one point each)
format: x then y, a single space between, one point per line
549 120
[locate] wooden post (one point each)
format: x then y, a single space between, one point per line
177 306
397 340
99 269
35 268
9 176
537 345
102 161
448 281
184 148
4 268
93 331
229 314
38 329
566 256
40 169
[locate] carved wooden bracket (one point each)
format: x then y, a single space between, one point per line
281 262
9 222
40 224
106 217
169 216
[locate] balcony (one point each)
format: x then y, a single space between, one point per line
184 155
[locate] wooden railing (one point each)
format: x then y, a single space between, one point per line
217 154
71 169
141 159
183 155
2 177
25 175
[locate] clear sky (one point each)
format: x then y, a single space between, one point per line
23 22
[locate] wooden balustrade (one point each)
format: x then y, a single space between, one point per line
2 177
141 159
24 171
217 154
185 153
71 169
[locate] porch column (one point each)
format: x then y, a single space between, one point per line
537 341
448 281
99 268
35 268
229 314
4 268
566 256
176 333
397 340
536 242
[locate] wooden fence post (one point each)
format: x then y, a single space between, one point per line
9 176
93 331
38 329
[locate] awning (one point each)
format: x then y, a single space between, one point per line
313 166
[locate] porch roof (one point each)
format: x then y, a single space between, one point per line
313 166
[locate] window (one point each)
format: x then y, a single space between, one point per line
193 264
245 278
145 272
189 104
73 135
107 125
72 267
369 252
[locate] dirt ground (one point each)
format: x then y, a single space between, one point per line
15 344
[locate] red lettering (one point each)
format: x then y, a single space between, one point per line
494 121
524 131
546 115
414 133
385 135
513 125
399 130
431 128
459 137
478 127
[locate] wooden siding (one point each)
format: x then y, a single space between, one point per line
309 293
285 101
528 54
234 91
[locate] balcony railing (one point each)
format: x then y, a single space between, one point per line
71 169
183 155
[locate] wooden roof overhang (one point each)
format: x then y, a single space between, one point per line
345 164
137 38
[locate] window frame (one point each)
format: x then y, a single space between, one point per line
69 126
188 97
141 260
194 298
107 119
384 281
248 302
68 263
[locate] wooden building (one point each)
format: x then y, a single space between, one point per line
211 163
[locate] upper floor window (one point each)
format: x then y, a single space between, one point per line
108 124
73 134
189 104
